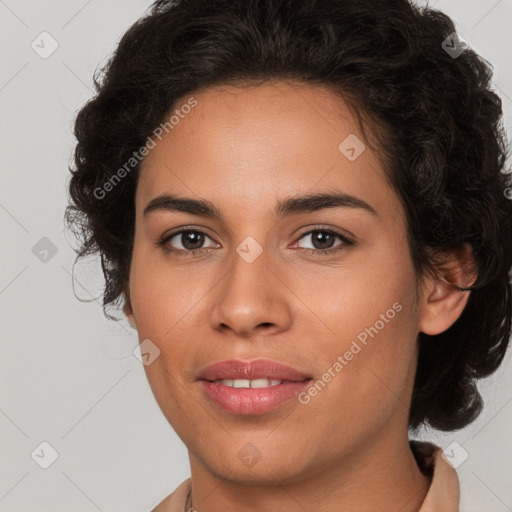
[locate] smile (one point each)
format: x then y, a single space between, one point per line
246 383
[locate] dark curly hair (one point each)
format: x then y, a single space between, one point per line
431 112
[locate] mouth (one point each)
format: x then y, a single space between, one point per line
254 383
251 387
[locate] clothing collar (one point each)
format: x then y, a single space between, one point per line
444 492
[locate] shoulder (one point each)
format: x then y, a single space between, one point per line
175 502
444 492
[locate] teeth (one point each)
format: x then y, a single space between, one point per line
246 383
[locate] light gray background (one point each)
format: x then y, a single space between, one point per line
68 376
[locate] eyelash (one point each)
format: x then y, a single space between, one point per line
347 242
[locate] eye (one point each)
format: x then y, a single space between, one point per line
323 240
191 241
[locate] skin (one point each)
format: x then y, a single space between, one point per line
347 449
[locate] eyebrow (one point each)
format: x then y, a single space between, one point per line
286 207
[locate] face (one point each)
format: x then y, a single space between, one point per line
327 290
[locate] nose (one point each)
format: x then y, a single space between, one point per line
251 298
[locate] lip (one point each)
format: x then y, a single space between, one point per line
254 369
251 401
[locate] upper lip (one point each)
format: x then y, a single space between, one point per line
254 369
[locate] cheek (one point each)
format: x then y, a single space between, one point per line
168 393
370 345
163 305
162 295
364 385
370 297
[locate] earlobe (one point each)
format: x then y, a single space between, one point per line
131 321
442 302
128 311
130 317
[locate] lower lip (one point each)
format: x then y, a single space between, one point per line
252 400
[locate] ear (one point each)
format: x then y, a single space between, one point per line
128 311
442 303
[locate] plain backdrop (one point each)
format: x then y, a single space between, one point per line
69 378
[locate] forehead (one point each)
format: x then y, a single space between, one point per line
259 143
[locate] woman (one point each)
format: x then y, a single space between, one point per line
301 207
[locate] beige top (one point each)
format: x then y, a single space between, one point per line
442 496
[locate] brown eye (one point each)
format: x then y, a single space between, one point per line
186 241
191 240
323 241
